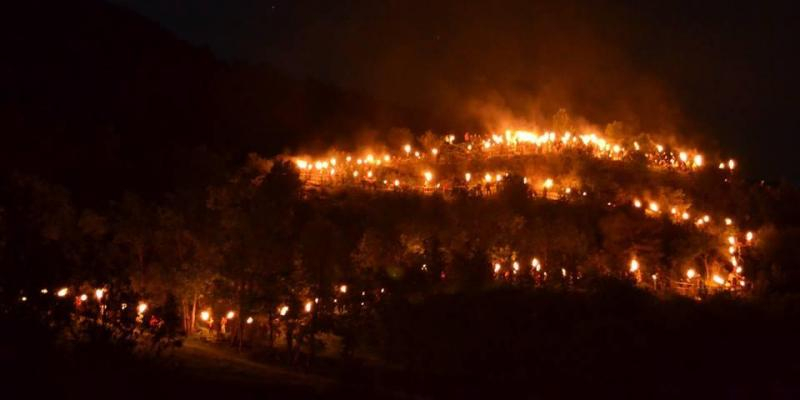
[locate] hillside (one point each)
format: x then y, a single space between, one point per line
103 100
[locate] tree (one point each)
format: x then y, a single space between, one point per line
133 231
258 210
189 258
39 232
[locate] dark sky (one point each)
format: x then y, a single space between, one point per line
720 74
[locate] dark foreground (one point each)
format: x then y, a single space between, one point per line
613 342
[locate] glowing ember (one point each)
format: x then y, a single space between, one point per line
700 221
343 289
99 294
249 320
283 310
205 315
690 273
230 315
308 306
141 308
62 292
718 280
634 266
749 236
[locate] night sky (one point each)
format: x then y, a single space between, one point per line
721 75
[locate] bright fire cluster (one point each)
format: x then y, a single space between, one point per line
416 168
428 169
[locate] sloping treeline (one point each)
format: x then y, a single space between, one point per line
261 240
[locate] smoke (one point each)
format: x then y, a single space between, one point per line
477 67
707 72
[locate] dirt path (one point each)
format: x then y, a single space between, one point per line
208 361
205 362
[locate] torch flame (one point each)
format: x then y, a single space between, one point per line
536 265
634 265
